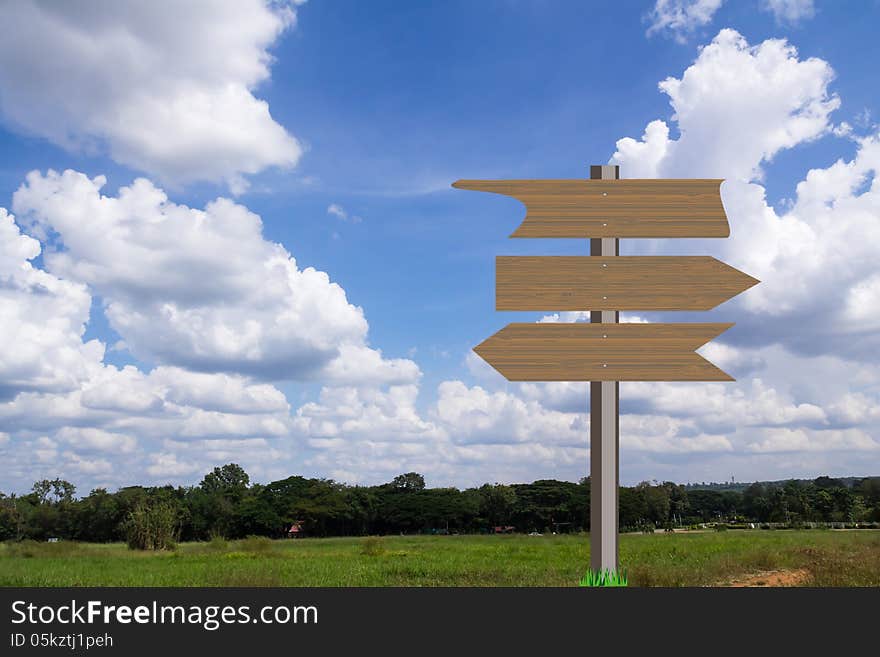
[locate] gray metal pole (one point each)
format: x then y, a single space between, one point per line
604 429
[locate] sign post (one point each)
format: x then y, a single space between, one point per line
604 426
603 209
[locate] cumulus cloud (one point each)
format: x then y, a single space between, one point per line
476 415
269 319
803 440
735 107
722 407
201 289
166 464
564 396
816 260
150 405
67 413
89 438
73 462
572 316
680 18
171 93
467 436
42 320
370 414
667 435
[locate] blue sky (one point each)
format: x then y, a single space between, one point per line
374 109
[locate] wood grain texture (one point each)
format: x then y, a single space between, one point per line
602 352
614 208
555 283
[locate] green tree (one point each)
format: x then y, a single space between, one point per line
658 505
411 482
497 503
229 480
9 518
98 517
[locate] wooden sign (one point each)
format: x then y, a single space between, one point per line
602 352
553 283
614 208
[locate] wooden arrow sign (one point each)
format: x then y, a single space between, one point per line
614 208
602 352
615 283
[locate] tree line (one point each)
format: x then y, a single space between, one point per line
226 504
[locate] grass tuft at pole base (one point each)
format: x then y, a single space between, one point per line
604 578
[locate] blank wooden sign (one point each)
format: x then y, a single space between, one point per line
615 283
614 208
602 352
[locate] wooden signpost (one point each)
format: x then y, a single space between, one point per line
605 352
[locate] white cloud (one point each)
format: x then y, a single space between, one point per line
143 421
566 317
803 440
219 297
96 439
481 370
816 261
166 464
733 360
364 414
169 92
361 365
573 316
789 11
45 449
341 213
666 435
736 106
722 406
854 408
476 415
73 462
218 392
565 396
42 320
126 390
680 18
149 406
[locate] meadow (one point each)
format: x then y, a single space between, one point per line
823 557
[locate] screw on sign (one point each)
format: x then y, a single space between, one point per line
605 352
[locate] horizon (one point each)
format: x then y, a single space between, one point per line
251 483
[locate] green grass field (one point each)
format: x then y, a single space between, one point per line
831 558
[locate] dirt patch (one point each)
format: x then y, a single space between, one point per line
797 577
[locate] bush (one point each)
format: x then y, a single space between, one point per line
152 527
217 543
721 527
30 549
255 544
372 546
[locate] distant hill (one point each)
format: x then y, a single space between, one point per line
740 486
